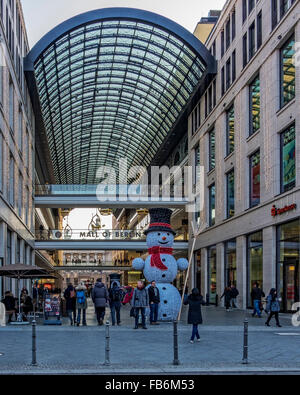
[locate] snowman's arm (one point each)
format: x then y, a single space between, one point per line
182 264
138 264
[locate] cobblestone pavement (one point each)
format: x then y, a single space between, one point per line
68 349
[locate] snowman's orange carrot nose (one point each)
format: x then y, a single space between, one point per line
164 238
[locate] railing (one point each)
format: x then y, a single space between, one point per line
96 265
98 234
119 191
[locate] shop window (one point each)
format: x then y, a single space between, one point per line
230 193
255 179
288 258
212 273
254 90
288 159
287 72
230 263
230 130
254 263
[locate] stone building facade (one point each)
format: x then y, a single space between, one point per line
16 145
245 133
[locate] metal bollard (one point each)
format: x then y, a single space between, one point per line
175 332
34 363
245 348
107 349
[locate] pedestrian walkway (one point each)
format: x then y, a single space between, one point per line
68 349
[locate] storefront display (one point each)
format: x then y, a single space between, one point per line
288 256
255 262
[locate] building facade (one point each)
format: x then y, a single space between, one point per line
16 145
245 133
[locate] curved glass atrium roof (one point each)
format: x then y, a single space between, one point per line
113 87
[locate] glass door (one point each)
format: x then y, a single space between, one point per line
290 284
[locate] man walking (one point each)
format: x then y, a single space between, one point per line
234 295
256 295
154 300
100 298
140 300
115 298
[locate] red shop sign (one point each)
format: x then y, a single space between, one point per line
278 211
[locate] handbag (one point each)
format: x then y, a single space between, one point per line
132 312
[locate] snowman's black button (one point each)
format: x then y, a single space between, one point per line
164 288
163 276
163 260
165 301
164 315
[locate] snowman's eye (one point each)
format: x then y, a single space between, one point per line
168 234
158 234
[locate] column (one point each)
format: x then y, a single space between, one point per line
269 258
241 267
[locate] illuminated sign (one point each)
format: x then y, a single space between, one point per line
278 211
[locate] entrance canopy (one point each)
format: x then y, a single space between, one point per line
113 83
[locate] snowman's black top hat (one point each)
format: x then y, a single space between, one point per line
160 219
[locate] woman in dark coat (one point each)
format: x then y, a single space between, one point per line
195 300
228 296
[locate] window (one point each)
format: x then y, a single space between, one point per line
245 50
228 71
274 13
212 150
230 130
2 60
1 162
196 119
27 206
287 72
212 273
233 25
255 179
20 132
251 40
8 247
12 181
288 159
212 205
11 106
223 80
20 196
259 30
210 99
230 193
254 262
227 34
214 92
222 43
197 164
233 76
254 90
244 10
230 263
250 5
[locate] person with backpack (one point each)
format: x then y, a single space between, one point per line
273 306
70 297
100 297
81 303
115 299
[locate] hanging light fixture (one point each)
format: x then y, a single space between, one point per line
142 211
95 223
68 230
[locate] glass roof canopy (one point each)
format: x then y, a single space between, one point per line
112 84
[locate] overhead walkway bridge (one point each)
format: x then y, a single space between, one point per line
110 196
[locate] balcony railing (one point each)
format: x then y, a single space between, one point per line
98 234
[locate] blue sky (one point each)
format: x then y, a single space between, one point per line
43 15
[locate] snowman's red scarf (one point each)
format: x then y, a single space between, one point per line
155 256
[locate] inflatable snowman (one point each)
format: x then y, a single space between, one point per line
160 265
